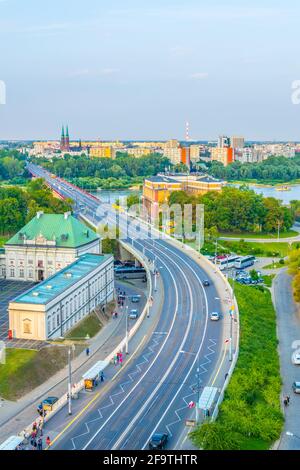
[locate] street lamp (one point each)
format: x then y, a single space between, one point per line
126 337
70 381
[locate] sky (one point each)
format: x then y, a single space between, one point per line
137 69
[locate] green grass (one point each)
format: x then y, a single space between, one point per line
250 416
244 235
26 369
264 249
276 265
91 325
268 280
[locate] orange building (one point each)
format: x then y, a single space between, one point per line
223 155
157 190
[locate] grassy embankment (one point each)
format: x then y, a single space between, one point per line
26 369
89 326
288 234
250 417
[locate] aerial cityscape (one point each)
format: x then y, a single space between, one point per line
149 231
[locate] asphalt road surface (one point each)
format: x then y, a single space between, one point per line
152 393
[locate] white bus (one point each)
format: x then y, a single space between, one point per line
227 262
244 262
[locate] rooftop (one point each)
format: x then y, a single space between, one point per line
60 230
47 290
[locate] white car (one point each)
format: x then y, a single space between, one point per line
215 316
296 358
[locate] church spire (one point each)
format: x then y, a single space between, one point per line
62 138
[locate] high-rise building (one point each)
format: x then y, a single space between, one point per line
224 141
237 142
223 155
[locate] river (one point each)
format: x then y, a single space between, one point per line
267 191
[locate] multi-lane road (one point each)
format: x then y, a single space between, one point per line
151 394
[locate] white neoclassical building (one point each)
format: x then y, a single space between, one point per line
53 307
47 244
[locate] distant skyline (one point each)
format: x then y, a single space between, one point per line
139 70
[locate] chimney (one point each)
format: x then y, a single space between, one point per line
39 214
67 215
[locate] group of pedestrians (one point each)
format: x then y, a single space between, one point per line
34 440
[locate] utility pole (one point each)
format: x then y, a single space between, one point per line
70 382
126 337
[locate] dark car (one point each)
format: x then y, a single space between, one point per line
47 404
206 283
158 441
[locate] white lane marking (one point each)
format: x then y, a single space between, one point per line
162 381
157 355
196 356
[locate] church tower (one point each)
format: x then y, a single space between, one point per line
62 139
67 140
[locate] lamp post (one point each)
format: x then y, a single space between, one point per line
70 382
126 337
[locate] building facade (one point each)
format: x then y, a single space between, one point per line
47 244
223 155
53 307
157 190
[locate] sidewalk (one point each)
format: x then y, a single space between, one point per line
288 330
14 416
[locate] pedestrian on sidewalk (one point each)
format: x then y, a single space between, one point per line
87 351
102 377
40 444
48 441
288 399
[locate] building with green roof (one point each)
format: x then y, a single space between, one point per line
47 244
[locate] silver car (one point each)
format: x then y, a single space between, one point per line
215 316
134 314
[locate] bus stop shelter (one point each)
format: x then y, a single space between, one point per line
207 399
11 443
92 376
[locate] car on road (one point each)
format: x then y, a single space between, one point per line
296 387
135 299
133 314
47 404
206 283
215 316
158 441
296 358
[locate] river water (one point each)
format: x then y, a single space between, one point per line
267 191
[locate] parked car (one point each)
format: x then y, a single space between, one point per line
296 358
206 283
47 404
134 314
296 387
215 316
158 441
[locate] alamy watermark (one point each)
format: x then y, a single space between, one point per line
2 92
181 222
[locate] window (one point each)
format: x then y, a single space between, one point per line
50 262
30 273
3 272
40 264
12 272
57 320
30 261
22 273
49 324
